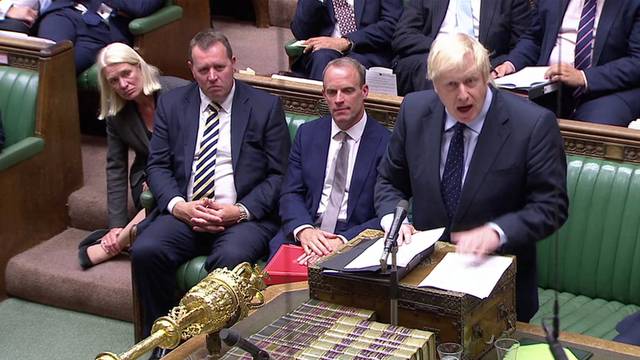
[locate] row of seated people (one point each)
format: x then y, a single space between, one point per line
596 42
229 184
89 24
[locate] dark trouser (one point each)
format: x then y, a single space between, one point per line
311 65
166 243
14 25
88 40
411 74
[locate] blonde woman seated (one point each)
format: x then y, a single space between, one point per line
129 88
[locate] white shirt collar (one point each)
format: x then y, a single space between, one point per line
226 104
476 124
355 132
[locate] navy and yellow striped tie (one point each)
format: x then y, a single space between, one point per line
206 162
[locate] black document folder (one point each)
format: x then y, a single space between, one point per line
338 262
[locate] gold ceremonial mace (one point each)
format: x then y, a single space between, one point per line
220 299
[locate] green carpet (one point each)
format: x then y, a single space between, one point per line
33 331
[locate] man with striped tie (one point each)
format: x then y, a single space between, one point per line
216 161
360 29
596 46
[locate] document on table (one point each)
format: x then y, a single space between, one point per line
523 79
382 80
420 242
467 273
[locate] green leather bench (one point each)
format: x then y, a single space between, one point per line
18 95
598 268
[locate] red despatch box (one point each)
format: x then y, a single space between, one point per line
284 268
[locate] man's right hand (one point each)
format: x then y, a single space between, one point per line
404 235
503 69
318 241
23 13
187 211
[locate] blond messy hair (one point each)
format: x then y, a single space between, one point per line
448 51
117 53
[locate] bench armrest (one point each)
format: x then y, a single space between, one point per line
158 19
20 151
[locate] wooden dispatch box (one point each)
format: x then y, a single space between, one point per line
452 316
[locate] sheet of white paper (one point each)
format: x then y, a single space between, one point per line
382 81
525 78
298 80
300 43
420 241
468 274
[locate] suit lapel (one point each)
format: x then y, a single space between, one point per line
240 111
550 36
190 122
358 7
319 160
138 128
493 135
487 11
439 11
431 153
365 159
610 11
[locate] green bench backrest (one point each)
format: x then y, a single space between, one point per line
18 94
294 121
599 246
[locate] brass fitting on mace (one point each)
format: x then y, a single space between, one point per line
219 300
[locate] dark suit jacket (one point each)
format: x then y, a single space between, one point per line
126 131
376 23
516 178
616 51
302 188
260 144
502 22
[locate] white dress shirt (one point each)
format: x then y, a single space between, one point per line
224 185
355 134
450 25
564 50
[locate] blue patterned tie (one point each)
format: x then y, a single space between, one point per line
464 17
206 162
451 183
584 40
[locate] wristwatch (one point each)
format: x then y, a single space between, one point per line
350 47
243 213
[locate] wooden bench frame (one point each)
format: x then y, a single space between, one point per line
34 192
580 138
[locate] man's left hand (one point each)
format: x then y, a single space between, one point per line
326 42
480 241
229 214
566 74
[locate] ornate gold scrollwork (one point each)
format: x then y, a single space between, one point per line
219 300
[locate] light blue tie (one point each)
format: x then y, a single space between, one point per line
464 16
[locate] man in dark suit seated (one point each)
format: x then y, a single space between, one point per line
597 47
92 24
629 329
487 165
497 24
216 162
327 194
360 29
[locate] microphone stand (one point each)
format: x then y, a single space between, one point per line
393 285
